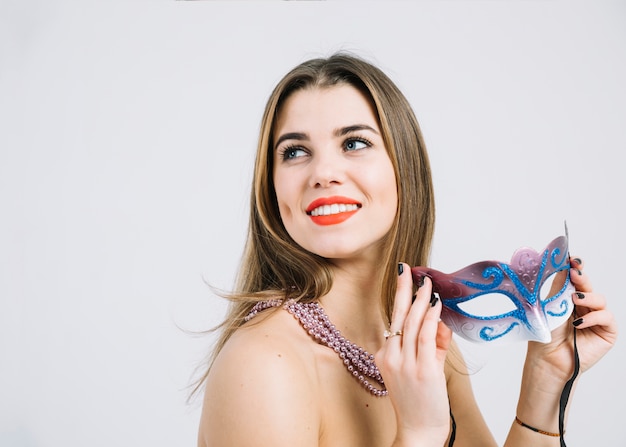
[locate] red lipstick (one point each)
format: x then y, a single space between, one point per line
332 210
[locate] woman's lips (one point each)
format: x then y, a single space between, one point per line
332 210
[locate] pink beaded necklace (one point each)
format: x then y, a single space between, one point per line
315 321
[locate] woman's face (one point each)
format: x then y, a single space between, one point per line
335 184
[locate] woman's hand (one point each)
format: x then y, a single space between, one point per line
412 365
595 325
549 366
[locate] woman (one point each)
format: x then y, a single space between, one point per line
342 205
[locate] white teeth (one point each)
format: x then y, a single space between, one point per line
335 208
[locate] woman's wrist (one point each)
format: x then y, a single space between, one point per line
540 395
539 413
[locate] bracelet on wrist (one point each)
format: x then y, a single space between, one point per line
536 430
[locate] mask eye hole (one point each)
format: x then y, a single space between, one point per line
553 285
489 305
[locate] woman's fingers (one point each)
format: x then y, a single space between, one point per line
589 301
402 302
578 276
419 330
591 310
415 330
434 337
388 357
588 304
576 262
602 318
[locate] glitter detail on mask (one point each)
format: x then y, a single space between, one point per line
523 282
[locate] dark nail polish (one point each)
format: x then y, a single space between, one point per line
578 322
580 295
433 299
420 282
579 271
578 261
400 268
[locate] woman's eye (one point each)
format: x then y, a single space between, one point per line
292 152
353 145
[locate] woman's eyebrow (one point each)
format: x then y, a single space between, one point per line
355 127
300 136
291 136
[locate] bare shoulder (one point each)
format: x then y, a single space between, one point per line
262 387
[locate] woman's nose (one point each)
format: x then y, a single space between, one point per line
326 170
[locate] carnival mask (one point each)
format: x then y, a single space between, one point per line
494 301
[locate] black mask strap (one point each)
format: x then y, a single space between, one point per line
567 389
453 430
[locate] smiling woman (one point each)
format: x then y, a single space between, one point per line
338 172
339 347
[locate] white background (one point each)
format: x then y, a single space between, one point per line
127 133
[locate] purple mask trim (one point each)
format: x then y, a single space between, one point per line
539 298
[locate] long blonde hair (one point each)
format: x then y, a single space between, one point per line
273 265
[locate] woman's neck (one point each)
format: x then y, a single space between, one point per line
353 304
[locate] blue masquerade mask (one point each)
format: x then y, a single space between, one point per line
493 301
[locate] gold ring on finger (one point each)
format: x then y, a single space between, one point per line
389 334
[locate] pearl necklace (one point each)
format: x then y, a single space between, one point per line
315 321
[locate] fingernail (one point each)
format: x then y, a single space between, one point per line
579 271
578 322
400 268
580 295
420 282
578 261
433 299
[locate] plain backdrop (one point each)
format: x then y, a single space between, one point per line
127 134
